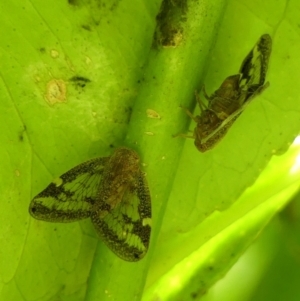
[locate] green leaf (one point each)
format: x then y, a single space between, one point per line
78 78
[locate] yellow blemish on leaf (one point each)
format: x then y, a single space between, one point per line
54 54
56 91
149 133
152 114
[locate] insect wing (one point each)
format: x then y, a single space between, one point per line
229 89
255 65
72 196
126 228
216 135
227 99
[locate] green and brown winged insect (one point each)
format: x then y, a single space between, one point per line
113 192
227 103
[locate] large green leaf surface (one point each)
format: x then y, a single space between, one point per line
78 78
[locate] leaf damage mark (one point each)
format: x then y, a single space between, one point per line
56 91
170 23
79 81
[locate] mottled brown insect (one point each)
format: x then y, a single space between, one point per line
227 103
113 192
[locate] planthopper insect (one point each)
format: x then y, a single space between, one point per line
227 103
113 192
